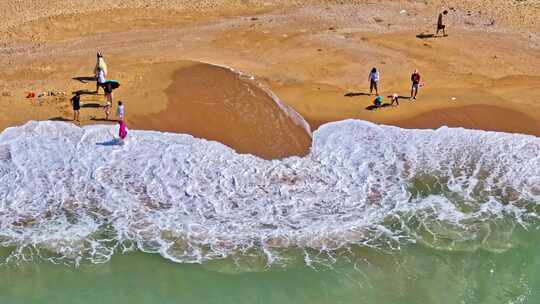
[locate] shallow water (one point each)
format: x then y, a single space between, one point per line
372 214
414 274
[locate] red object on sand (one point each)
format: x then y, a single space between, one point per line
31 95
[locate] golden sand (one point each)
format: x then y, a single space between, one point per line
484 75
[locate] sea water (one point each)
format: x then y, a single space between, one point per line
373 214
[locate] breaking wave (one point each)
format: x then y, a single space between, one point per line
71 195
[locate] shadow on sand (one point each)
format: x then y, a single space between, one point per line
374 107
425 36
85 92
84 79
59 118
353 94
103 119
91 105
429 36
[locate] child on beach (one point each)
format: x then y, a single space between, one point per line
415 79
107 109
120 111
76 104
107 88
394 99
374 78
377 102
122 131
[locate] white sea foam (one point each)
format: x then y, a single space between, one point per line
70 193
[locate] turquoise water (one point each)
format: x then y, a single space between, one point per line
413 274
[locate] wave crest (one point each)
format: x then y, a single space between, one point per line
70 194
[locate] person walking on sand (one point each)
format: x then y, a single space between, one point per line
100 68
415 79
440 23
76 104
374 78
120 111
107 109
107 88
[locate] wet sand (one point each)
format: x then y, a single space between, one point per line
216 103
487 118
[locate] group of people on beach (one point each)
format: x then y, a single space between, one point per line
374 80
100 73
374 74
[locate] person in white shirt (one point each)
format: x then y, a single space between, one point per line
100 79
100 71
374 78
120 114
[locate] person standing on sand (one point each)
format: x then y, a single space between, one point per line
100 77
100 68
374 78
120 111
122 130
107 88
440 23
76 104
415 79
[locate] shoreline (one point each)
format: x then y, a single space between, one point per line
475 117
308 57
472 117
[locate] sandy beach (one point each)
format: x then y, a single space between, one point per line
314 56
255 167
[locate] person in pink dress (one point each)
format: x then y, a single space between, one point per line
122 130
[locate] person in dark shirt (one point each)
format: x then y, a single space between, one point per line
108 99
440 23
76 103
415 79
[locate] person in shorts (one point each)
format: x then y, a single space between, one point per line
415 79
76 104
100 77
440 23
374 78
107 109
